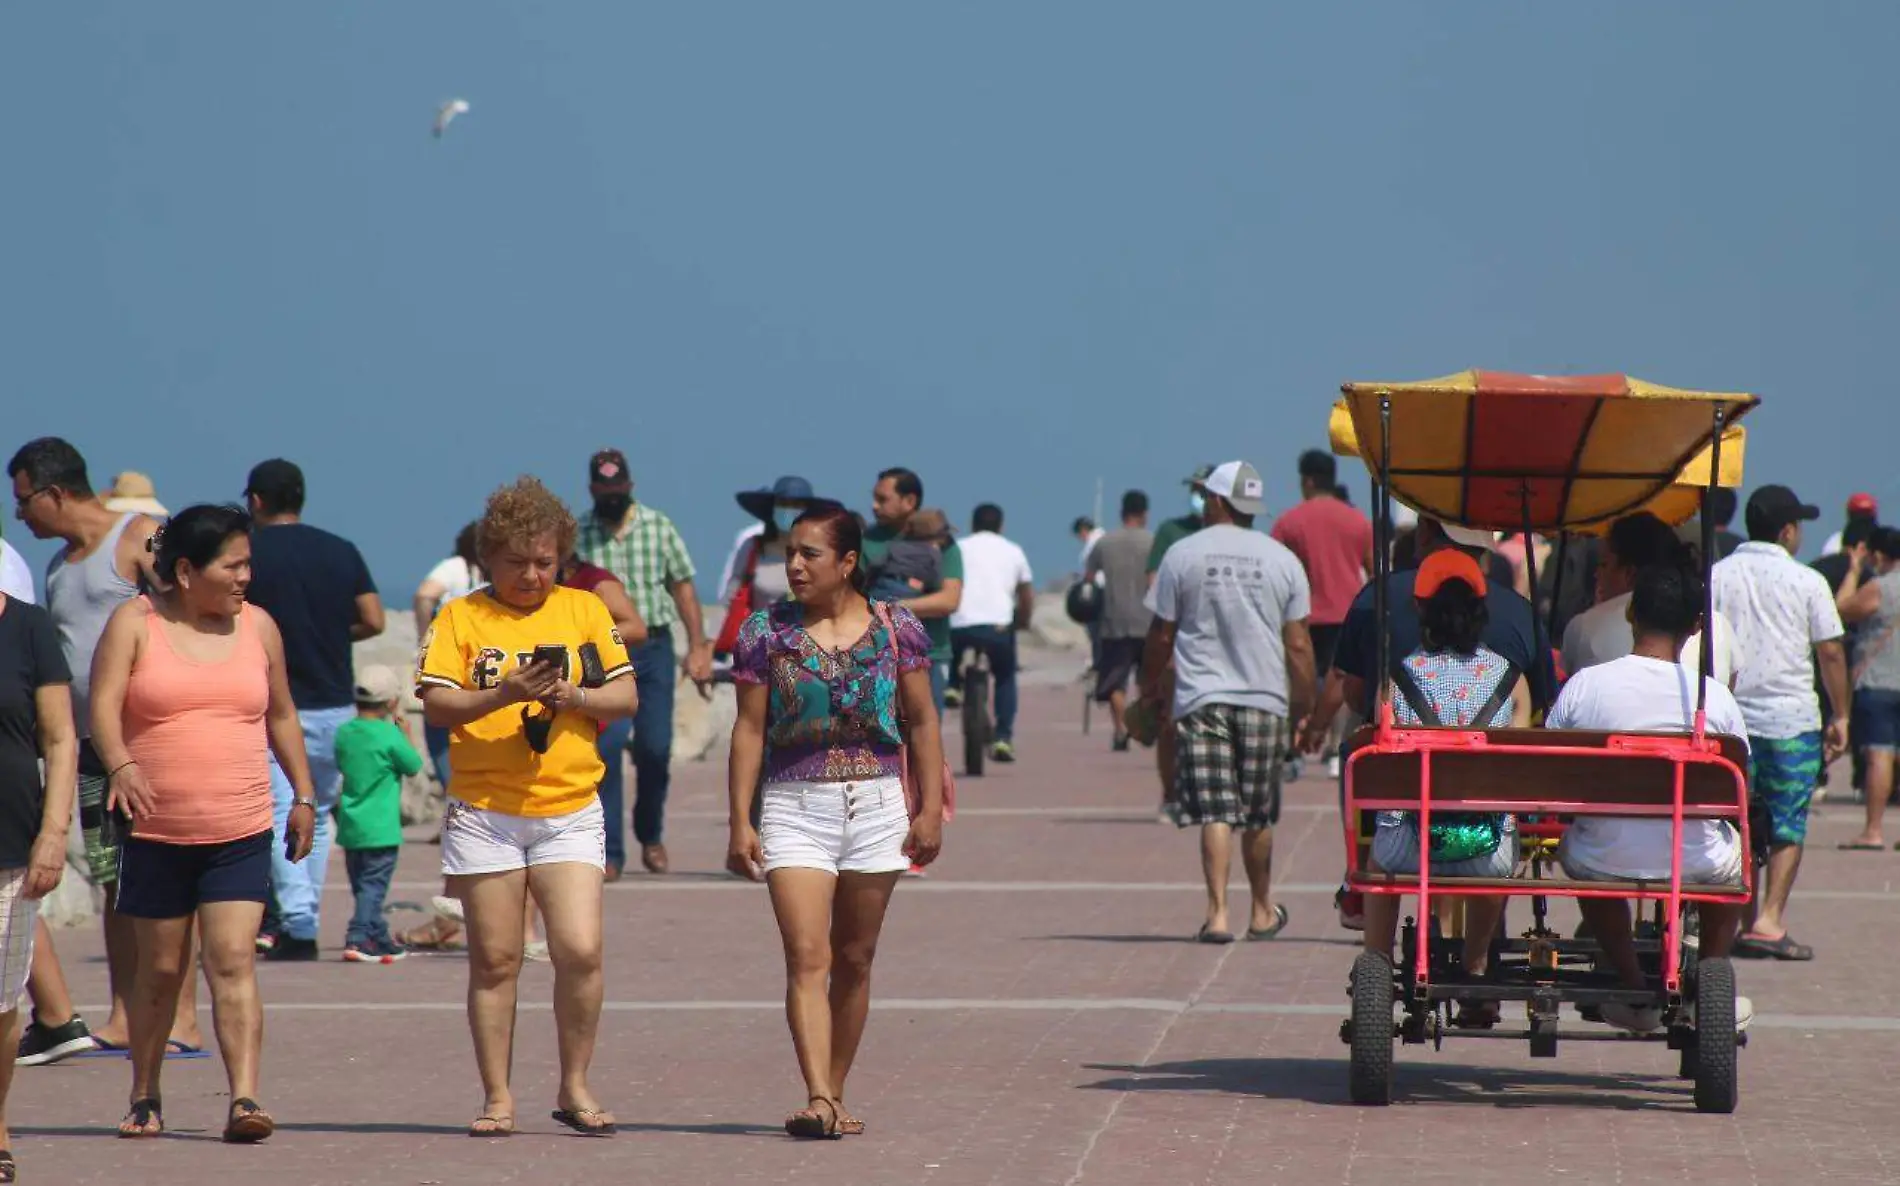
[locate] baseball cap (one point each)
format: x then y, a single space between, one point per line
609 468
277 479
1448 564
1199 476
1238 483
1468 537
377 684
1863 506
1772 508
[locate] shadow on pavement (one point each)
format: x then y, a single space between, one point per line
1323 1081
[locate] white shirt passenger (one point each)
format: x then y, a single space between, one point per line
993 568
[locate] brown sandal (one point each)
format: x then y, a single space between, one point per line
848 1125
248 1124
808 1125
497 1126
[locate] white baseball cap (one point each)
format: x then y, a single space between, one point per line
1468 537
1240 484
377 684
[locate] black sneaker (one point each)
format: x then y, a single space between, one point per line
1119 744
1003 751
290 951
43 1045
390 950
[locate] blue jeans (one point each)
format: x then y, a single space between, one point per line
299 887
613 746
370 871
657 673
998 644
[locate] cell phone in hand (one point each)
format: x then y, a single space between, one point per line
553 654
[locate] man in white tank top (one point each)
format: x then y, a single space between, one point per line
102 566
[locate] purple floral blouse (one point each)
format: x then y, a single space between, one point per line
832 716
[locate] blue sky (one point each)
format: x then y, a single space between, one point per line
1015 246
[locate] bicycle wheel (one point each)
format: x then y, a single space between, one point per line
976 719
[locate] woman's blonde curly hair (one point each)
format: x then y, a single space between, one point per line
522 511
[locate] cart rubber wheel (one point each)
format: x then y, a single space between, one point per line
976 721
1372 1028
1716 1089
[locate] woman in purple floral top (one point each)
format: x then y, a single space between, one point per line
827 696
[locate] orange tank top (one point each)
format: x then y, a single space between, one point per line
197 732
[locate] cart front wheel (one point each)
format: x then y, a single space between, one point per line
1716 1089
1372 1029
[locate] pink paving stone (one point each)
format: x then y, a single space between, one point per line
987 1063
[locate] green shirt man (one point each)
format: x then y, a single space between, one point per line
894 499
1174 531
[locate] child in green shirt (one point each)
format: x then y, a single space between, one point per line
374 754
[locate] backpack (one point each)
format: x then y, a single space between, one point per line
1458 835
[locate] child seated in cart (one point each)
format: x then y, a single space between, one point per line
1452 680
1649 690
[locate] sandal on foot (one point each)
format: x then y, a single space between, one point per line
848 1125
9 1168
809 1125
1862 846
138 1123
249 1123
1208 935
1272 932
589 1122
1784 948
492 1126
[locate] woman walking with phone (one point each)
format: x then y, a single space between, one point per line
190 696
522 673
828 685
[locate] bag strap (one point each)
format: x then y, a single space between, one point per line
1414 695
1499 695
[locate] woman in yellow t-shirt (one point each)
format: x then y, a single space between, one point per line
524 816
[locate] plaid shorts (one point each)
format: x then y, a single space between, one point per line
101 829
1227 768
16 936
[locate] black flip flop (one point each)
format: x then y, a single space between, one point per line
1784 948
1217 938
1272 932
142 1113
1861 846
9 1168
575 1118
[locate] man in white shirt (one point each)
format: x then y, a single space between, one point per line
999 595
1783 613
1648 689
16 578
1602 632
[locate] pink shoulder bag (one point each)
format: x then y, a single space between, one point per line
913 793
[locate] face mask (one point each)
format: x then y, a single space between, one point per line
784 517
612 508
1197 503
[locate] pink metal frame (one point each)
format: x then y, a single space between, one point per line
1680 752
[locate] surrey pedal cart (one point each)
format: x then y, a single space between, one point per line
1553 456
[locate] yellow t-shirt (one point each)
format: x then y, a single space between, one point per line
473 644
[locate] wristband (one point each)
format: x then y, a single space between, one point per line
114 772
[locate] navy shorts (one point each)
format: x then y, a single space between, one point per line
159 880
1876 723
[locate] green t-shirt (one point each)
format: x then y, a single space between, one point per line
1169 534
374 757
877 545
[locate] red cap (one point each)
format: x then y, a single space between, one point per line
1863 506
1447 564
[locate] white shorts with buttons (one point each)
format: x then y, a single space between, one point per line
475 840
838 827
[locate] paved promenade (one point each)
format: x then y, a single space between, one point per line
1043 1018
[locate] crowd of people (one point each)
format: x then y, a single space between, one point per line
187 694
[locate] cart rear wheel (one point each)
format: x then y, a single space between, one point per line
1714 1056
1372 1028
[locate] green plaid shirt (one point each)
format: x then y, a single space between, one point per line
649 560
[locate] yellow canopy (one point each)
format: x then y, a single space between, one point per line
1475 447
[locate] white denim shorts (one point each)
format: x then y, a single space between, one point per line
839 827
479 841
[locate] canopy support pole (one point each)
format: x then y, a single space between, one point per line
1382 564
1706 667
1539 648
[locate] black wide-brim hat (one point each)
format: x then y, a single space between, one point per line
759 503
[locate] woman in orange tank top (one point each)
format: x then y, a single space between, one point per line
188 691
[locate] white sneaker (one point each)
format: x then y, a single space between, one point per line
1637 1019
1332 767
449 908
536 951
1744 1013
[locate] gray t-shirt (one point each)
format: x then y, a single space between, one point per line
1877 642
1121 559
1230 591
